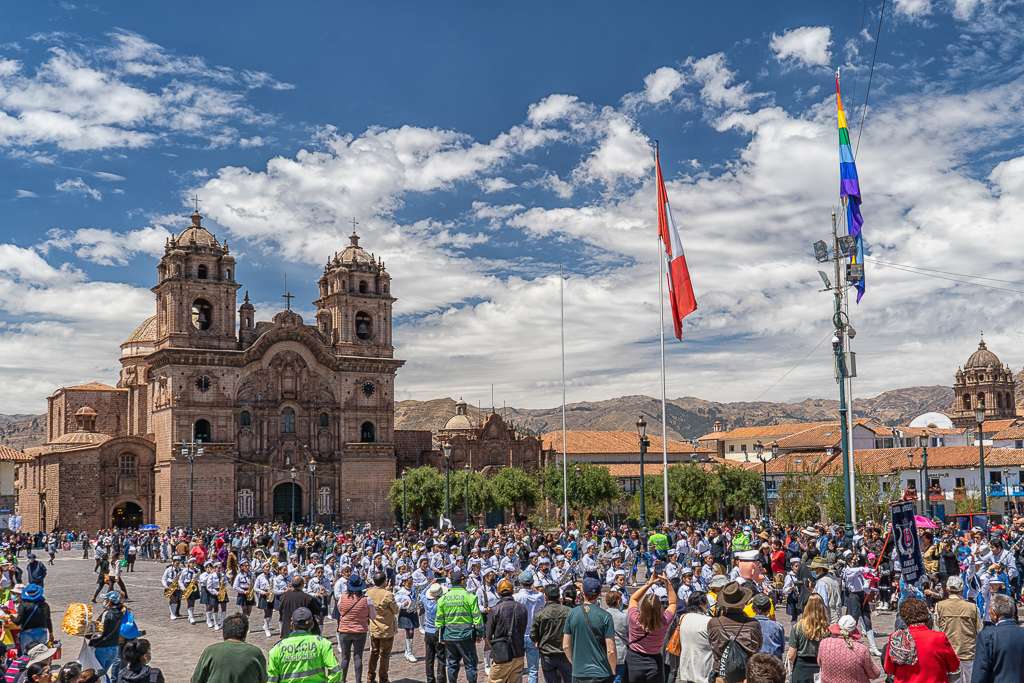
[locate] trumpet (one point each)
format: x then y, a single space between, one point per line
191 588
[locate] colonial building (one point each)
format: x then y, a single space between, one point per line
983 380
218 418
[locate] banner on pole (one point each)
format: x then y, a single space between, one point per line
906 541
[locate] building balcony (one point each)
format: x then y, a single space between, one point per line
1004 491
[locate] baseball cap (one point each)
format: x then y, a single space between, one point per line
551 592
591 585
301 614
955 584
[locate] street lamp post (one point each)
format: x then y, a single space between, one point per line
929 510
293 472
190 451
447 450
759 451
467 495
405 520
312 491
979 417
641 430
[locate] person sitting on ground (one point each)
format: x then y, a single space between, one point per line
234 660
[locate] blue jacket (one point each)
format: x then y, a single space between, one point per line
999 655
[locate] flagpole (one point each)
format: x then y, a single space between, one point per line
661 332
849 393
565 458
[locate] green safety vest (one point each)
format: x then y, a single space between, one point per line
303 658
458 615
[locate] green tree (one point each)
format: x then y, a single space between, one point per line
479 488
867 494
591 487
799 498
693 493
424 493
739 489
513 488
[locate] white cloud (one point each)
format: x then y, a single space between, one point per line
624 153
25 194
807 45
499 184
660 85
78 186
913 8
254 141
716 78
554 108
491 212
109 177
107 247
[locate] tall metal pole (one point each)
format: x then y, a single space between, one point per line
191 493
405 520
467 496
981 461
565 457
644 443
447 487
664 410
840 360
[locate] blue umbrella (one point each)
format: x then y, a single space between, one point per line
149 527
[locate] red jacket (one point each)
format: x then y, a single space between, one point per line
935 658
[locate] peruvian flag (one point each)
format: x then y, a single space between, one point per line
680 290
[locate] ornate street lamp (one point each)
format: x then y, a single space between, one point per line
641 430
979 417
312 491
447 450
923 442
293 472
467 495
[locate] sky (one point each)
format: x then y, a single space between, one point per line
479 148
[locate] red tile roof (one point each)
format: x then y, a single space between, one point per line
90 386
8 454
883 461
776 431
630 469
583 442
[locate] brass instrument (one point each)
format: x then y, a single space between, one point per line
170 590
191 588
222 592
250 595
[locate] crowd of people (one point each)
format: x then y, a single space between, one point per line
687 602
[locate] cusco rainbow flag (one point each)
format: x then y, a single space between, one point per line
849 187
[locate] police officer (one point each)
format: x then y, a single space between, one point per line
302 656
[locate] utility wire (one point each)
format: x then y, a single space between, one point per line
794 367
871 74
953 279
944 272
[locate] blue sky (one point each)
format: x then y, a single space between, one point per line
481 147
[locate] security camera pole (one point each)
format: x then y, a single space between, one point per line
845 361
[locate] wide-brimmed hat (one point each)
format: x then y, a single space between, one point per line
33 592
820 563
356 584
733 596
40 653
435 591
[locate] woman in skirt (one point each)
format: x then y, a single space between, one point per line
241 585
408 618
265 596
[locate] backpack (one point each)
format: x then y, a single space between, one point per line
732 668
902 648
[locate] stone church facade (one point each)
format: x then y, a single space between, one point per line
293 420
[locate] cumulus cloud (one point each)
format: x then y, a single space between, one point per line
107 247
78 186
128 94
624 153
25 194
913 8
717 82
807 45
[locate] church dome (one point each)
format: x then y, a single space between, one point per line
85 411
145 332
460 420
196 234
355 254
75 439
983 358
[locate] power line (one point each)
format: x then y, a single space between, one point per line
953 279
794 367
871 74
944 272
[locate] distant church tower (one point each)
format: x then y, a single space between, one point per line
196 291
354 309
983 380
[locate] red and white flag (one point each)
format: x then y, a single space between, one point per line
680 289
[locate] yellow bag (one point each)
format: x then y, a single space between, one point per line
78 620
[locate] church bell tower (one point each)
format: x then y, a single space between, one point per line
196 291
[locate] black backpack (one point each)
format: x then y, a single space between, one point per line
732 668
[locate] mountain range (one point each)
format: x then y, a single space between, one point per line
688 417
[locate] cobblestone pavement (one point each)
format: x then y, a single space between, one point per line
177 645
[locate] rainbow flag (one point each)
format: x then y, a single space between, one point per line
849 187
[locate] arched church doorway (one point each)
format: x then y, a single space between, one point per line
127 515
287 502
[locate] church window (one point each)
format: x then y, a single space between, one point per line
126 465
367 433
967 401
227 274
368 389
363 287
203 383
202 314
245 503
201 431
288 421
245 419
325 420
364 326
324 500
202 272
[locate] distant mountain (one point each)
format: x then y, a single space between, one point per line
688 417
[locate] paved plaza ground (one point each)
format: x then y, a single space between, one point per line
176 644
